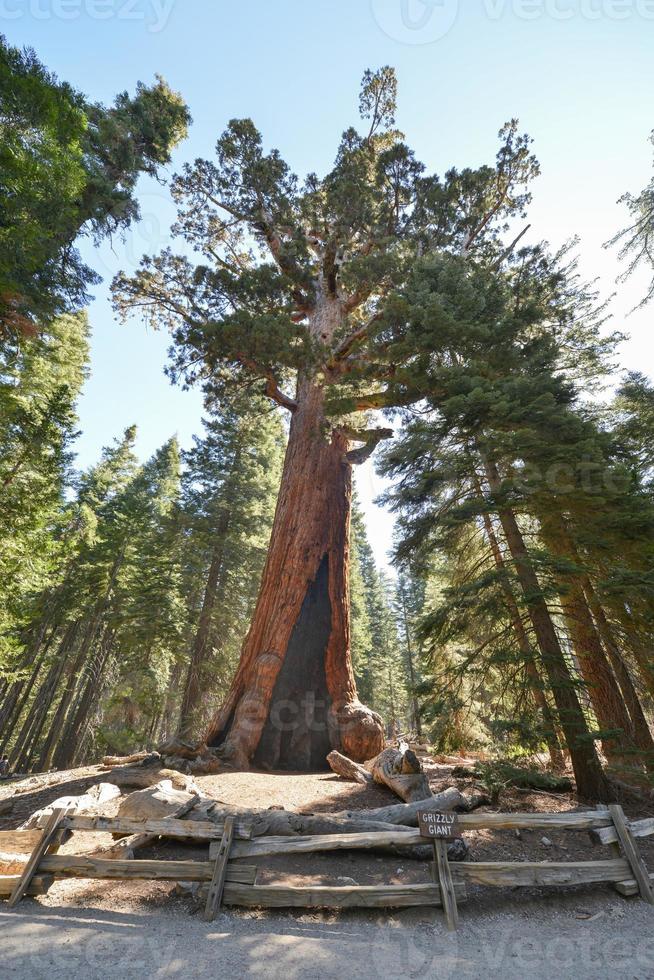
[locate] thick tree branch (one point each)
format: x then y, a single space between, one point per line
371 439
266 226
272 386
351 340
509 251
385 399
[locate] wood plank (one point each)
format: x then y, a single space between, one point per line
446 885
638 828
125 848
12 864
47 837
527 874
630 848
19 841
81 866
587 820
262 846
327 896
37 886
215 894
204 830
630 887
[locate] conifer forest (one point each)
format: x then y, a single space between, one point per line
378 315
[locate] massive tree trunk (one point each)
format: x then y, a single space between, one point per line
294 696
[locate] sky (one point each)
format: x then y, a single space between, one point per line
578 74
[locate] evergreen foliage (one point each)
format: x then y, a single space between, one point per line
68 167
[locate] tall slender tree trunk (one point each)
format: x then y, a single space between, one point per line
18 695
589 775
35 719
409 655
601 683
641 731
57 724
641 653
71 743
199 653
294 696
526 651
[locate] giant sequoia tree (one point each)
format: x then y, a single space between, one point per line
289 296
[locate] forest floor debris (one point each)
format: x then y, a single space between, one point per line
78 916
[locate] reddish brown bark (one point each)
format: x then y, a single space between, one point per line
641 731
590 778
613 696
294 696
551 734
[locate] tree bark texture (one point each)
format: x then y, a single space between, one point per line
200 651
531 669
294 696
589 775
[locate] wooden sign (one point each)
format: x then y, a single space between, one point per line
438 826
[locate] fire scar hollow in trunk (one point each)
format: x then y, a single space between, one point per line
294 696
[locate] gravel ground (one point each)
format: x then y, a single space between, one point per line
573 936
107 929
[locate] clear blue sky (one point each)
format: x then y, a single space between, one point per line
579 74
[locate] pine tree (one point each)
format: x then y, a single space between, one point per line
495 407
39 387
67 166
231 479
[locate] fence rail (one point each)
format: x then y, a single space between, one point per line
626 869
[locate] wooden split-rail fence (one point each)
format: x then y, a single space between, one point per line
234 882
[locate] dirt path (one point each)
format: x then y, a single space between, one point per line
94 929
543 941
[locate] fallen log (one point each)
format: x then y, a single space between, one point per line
398 769
145 773
275 823
126 760
285 823
348 769
94 797
401 770
407 813
155 802
196 759
125 848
